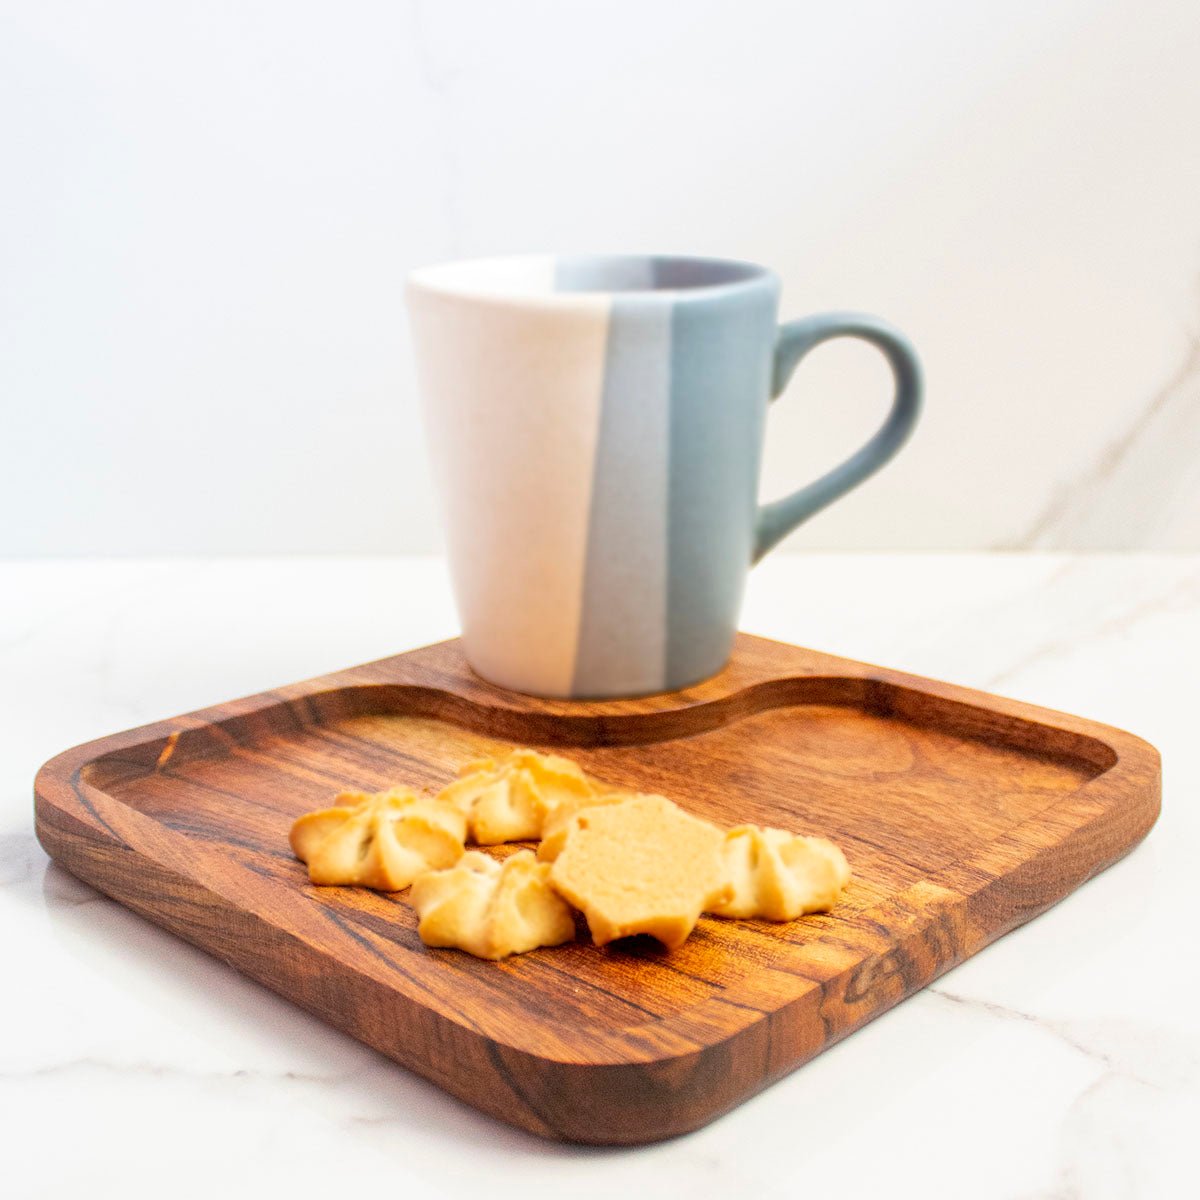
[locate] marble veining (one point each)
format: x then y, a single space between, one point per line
1149 1056
1182 596
157 1070
1141 492
1062 1063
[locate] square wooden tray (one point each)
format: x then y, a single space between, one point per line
962 814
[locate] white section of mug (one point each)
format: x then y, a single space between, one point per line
513 275
511 394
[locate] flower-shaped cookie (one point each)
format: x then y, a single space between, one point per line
380 841
780 875
491 909
506 799
642 865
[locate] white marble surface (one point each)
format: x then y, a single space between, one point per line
1063 1063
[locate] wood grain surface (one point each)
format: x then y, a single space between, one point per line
962 814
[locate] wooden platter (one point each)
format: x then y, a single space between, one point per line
962 814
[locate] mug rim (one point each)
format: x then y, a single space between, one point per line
730 276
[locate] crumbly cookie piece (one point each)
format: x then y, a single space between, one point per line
491 909
780 875
507 799
642 865
381 840
558 822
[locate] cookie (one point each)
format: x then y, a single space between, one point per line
491 909
780 875
507 799
558 821
642 865
381 840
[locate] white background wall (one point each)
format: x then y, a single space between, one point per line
207 210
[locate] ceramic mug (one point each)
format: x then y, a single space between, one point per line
596 429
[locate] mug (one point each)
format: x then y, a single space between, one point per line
596 427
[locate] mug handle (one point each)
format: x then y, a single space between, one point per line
794 341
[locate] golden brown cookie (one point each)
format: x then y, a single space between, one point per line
780 875
380 840
641 866
491 909
558 821
506 799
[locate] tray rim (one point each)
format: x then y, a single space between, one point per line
62 792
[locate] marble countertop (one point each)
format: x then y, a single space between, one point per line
1062 1062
